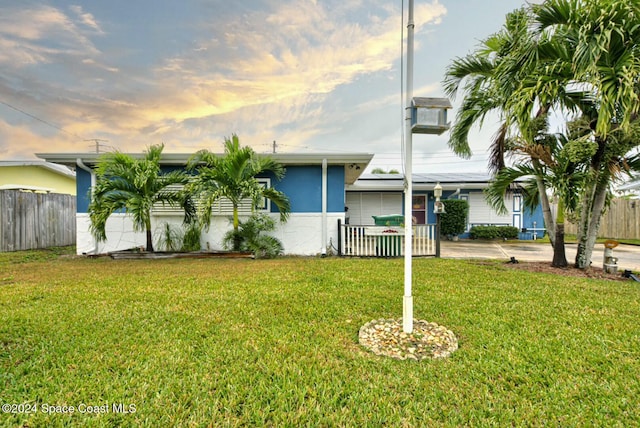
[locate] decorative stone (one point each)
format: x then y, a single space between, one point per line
386 337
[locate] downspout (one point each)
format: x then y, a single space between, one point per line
456 193
323 250
81 164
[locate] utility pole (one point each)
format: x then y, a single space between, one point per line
97 142
274 146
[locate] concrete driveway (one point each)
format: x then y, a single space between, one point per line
531 251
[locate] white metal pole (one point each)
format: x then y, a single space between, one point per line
323 249
407 303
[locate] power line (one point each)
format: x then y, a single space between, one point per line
40 120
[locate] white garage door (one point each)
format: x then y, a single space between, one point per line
363 205
481 213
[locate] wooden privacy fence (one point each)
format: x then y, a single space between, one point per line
36 220
384 241
621 221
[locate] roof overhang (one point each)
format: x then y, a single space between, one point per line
54 167
421 182
354 163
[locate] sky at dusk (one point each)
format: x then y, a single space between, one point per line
315 76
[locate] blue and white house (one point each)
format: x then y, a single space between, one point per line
332 205
314 183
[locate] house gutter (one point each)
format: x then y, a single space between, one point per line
323 250
81 164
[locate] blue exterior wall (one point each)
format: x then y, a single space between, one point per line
528 220
301 184
303 187
83 184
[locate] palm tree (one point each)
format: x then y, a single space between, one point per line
135 186
583 56
233 176
603 37
488 78
561 167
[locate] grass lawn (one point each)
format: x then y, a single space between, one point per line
256 342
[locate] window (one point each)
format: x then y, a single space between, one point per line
222 207
419 209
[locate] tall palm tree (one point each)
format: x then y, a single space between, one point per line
488 78
135 186
233 176
603 37
583 56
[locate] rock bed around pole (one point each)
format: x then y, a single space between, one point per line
428 340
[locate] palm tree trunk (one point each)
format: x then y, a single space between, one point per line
592 225
149 238
583 226
236 225
559 254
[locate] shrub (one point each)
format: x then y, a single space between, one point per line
174 238
191 241
508 232
170 238
249 237
454 220
493 232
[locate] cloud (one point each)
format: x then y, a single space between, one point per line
38 34
87 19
256 72
283 55
21 142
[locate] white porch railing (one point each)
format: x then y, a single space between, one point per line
385 241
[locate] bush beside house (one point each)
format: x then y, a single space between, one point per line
494 232
454 220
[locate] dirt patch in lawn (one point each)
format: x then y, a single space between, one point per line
545 267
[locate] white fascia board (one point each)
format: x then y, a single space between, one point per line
181 158
54 167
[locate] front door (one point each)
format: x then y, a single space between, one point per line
419 209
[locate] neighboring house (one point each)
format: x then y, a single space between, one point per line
37 176
314 183
382 194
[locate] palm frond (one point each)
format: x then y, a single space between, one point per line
502 183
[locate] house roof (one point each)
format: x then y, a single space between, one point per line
354 163
54 167
421 181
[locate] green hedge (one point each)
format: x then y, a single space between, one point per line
454 220
494 232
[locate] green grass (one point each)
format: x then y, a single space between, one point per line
274 342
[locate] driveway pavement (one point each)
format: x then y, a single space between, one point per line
628 255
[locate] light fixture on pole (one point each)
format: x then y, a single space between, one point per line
438 208
422 116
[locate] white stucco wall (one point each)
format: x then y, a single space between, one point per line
300 235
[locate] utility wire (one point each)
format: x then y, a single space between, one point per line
41 120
